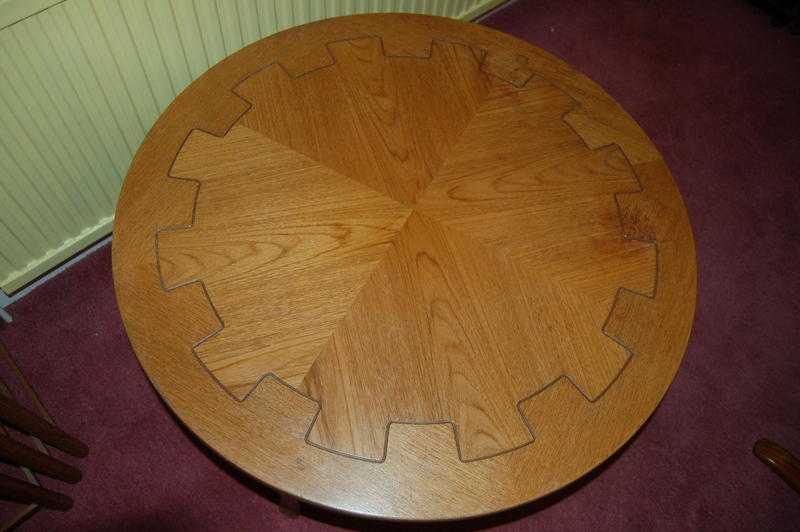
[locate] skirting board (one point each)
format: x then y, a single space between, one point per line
17 279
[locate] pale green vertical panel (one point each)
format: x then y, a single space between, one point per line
308 11
80 75
97 44
357 6
106 176
300 11
39 199
191 36
5 263
473 5
333 8
34 111
316 10
5 238
19 217
14 251
284 14
267 17
210 29
249 20
169 43
27 134
150 55
230 25
127 82
88 165
51 194
12 11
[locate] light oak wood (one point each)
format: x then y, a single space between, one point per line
270 218
404 267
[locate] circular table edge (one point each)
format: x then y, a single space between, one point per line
133 255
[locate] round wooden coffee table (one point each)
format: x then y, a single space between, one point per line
404 267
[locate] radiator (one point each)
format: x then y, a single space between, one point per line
82 81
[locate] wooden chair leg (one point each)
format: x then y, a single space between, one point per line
19 417
16 453
781 461
41 429
14 414
25 492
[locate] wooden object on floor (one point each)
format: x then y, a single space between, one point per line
30 460
14 452
404 267
19 417
781 461
24 492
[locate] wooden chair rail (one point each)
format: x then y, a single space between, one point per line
35 458
16 453
19 417
24 492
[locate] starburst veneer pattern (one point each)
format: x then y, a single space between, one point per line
446 234
474 268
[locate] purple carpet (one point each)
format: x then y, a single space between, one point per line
718 91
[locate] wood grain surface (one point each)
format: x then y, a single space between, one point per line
404 267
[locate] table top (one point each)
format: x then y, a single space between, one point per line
404 266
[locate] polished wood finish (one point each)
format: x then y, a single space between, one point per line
781 461
404 267
330 245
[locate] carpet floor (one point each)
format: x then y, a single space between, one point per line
718 90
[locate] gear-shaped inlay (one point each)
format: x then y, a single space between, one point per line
404 267
467 250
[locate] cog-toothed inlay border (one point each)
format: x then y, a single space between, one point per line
504 76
